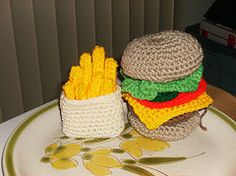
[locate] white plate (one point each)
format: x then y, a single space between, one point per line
203 153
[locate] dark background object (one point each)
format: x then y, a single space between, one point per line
219 62
222 12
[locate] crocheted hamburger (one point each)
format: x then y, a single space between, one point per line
91 102
163 85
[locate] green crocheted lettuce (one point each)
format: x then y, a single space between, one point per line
162 97
148 90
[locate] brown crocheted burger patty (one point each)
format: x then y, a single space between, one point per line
175 129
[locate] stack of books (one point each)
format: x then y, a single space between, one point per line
218 33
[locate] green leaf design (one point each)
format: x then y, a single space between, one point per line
136 170
160 160
65 151
117 150
87 156
64 137
45 159
79 139
127 125
91 141
59 150
85 149
51 148
95 169
64 163
127 136
126 129
129 161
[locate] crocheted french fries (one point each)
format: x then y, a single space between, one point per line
96 76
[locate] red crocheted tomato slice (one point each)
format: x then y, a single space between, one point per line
182 98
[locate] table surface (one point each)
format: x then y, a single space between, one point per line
222 101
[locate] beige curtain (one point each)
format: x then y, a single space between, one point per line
41 39
1 117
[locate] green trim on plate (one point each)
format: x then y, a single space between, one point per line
17 132
223 116
15 135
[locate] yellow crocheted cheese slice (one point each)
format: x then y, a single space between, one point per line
96 76
153 118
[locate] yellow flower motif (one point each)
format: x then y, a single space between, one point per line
96 170
64 163
100 151
150 144
60 156
66 151
105 161
51 148
99 161
136 144
132 148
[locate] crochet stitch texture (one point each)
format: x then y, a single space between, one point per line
153 118
91 102
95 76
162 57
175 132
143 89
182 98
162 97
101 116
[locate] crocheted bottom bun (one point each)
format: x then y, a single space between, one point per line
173 130
101 116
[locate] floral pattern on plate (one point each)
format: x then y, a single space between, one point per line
66 152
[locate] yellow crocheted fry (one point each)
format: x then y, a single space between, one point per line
96 85
94 77
110 68
98 57
86 65
71 86
109 81
69 90
153 118
98 60
75 73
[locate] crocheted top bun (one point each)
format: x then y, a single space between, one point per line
162 57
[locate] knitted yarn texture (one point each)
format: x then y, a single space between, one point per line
162 57
163 97
101 116
153 118
174 132
148 90
95 76
182 98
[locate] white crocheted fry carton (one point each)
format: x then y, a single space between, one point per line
101 116
91 102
